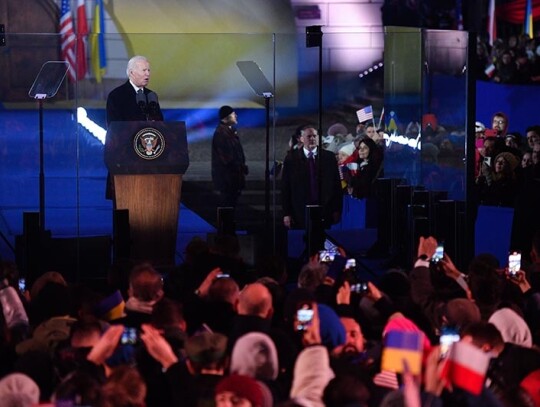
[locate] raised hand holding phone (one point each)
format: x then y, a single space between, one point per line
310 331
514 264
343 295
427 246
439 253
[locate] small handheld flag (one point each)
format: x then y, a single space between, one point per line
400 346
466 367
364 114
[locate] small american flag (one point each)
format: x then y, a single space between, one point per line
364 114
68 39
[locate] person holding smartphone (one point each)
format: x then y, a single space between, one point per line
431 282
312 366
499 183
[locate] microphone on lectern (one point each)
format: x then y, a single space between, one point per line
141 100
152 105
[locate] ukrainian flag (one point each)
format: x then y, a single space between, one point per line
400 346
110 308
529 20
97 43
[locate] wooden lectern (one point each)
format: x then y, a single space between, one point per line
146 161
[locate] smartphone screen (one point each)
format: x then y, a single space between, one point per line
447 338
129 336
22 285
439 253
304 317
351 264
514 263
360 288
326 256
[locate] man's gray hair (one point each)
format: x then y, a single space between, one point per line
311 276
131 63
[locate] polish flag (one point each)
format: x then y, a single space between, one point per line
490 70
466 367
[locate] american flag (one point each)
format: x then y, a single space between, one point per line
364 114
68 38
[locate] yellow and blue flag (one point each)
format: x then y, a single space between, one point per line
110 308
97 43
401 347
529 19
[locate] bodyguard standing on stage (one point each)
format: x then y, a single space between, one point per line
300 183
229 167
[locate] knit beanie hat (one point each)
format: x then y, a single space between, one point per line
111 307
398 322
512 327
331 329
255 355
12 308
241 386
18 384
347 149
337 129
479 127
224 111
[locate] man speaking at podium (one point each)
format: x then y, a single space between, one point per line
133 101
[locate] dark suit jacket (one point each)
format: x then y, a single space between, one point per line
228 160
122 105
295 184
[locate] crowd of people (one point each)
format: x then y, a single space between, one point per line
512 60
359 156
505 163
214 332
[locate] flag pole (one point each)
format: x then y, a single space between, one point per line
381 118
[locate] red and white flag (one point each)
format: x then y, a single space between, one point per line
82 32
68 39
490 70
466 367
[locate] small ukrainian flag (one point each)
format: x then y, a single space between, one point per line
400 346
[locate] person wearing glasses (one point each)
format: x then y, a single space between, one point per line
499 123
